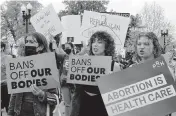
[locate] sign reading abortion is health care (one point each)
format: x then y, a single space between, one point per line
47 22
87 69
143 90
40 70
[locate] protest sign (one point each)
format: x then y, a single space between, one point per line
122 14
71 25
115 25
87 69
47 22
118 13
39 69
146 89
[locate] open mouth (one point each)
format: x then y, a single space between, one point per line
141 52
95 50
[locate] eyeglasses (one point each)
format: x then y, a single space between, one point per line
30 41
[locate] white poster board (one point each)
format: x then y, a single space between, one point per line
113 24
47 22
71 25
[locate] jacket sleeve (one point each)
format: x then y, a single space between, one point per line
49 97
76 101
11 105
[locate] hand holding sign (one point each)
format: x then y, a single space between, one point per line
37 91
84 49
46 21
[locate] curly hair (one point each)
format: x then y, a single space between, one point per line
157 50
109 42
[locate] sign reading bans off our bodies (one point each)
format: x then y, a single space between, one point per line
87 69
143 90
40 70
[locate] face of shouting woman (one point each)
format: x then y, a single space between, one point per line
145 47
98 47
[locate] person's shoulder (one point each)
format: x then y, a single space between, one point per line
134 63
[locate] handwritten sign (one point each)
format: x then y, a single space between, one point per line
47 22
115 25
87 69
142 90
24 71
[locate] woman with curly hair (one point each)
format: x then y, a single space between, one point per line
147 47
90 101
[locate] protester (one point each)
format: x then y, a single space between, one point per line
66 88
171 58
5 97
33 103
147 47
62 57
90 102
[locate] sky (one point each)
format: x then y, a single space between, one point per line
128 6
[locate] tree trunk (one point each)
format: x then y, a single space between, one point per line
13 34
11 29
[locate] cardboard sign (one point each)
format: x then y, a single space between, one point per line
40 70
47 22
143 90
87 69
71 24
118 13
115 25
122 14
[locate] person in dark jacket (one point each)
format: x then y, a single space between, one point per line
33 103
88 100
5 97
